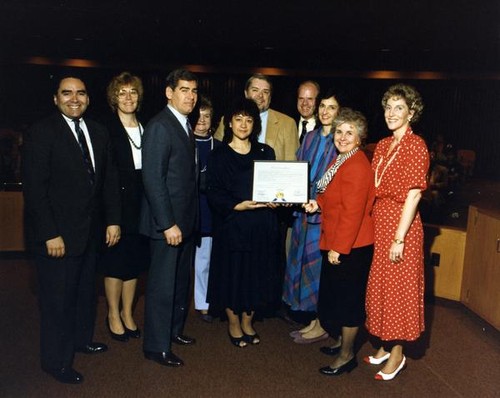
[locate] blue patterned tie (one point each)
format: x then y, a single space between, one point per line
85 150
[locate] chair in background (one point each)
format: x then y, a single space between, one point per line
466 158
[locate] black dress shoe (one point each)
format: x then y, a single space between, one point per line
183 340
134 334
115 336
92 348
164 358
330 350
347 367
65 375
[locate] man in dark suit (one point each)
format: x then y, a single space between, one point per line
169 217
68 180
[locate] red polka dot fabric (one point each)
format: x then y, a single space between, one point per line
395 292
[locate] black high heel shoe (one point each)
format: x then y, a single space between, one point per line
134 334
236 341
332 351
115 336
347 367
253 339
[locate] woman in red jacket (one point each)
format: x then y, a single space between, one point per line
346 195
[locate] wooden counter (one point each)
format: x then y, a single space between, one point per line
11 221
444 249
481 278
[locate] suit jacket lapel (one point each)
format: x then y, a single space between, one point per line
71 143
271 130
121 142
68 135
179 128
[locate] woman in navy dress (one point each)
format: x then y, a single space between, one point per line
245 233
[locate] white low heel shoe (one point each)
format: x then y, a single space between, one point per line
389 376
377 361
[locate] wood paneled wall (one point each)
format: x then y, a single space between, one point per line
464 110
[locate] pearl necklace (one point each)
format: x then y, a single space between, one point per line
140 138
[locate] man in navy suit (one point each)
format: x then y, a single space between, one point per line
69 181
169 217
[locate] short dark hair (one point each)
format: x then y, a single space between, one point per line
246 107
259 76
57 79
329 93
180 74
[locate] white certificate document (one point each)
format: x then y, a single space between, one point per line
280 181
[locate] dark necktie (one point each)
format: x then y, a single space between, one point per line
85 150
189 130
192 140
304 131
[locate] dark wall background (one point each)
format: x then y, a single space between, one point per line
466 111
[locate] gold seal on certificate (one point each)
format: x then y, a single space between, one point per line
280 182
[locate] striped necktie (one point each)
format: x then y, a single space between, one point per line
304 131
85 150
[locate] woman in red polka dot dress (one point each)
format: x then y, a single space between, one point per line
395 292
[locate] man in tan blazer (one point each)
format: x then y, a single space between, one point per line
279 131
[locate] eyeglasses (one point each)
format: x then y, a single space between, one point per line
126 93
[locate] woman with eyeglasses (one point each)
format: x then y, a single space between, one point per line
122 264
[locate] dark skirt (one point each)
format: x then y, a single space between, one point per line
244 262
343 288
127 259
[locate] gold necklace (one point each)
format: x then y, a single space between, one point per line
378 179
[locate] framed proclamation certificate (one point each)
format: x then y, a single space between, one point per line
280 182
